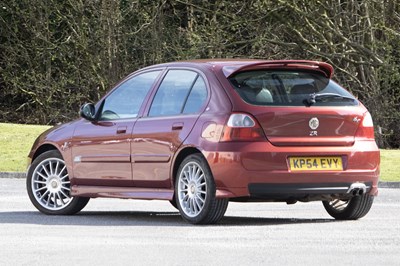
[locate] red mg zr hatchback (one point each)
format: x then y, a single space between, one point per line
203 133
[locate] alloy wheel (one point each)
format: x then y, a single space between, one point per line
192 189
51 185
339 205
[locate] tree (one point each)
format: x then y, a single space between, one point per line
56 55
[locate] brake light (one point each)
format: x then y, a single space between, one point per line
366 128
242 127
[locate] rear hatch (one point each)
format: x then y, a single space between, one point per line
298 106
310 126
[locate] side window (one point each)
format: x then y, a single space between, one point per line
125 101
177 88
197 97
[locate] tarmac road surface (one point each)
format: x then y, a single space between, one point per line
134 232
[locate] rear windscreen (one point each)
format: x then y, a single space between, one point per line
290 88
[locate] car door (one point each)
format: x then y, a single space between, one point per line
176 106
101 149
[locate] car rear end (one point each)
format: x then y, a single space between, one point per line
293 135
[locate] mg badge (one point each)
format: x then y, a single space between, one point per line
313 123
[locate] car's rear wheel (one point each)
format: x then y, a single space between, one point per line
49 186
195 192
351 209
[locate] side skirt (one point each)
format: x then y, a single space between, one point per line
122 192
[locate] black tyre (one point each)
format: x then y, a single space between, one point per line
49 187
351 209
195 192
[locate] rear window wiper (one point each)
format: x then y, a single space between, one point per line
314 97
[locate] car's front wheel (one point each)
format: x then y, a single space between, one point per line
49 186
351 209
195 192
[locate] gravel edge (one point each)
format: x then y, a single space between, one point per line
23 175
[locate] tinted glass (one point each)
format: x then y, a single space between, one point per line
125 101
289 88
173 92
197 97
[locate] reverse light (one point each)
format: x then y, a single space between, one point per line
240 120
366 128
242 127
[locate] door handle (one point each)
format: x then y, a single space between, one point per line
121 130
177 126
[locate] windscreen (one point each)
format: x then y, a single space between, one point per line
290 88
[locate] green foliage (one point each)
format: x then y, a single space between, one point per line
56 55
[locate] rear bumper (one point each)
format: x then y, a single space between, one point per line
307 192
260 170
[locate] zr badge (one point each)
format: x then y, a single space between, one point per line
314 124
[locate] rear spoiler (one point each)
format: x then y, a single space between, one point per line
323 67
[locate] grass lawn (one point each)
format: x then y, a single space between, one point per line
15 144
17 140
390 165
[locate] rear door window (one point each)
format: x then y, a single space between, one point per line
290 88
181 91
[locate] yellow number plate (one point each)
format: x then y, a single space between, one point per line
332 163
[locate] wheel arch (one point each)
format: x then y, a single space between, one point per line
43 148
185 152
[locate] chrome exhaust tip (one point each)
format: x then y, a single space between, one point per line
357 189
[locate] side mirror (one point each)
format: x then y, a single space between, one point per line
88 111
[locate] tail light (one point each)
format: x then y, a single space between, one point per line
242 127
366 128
